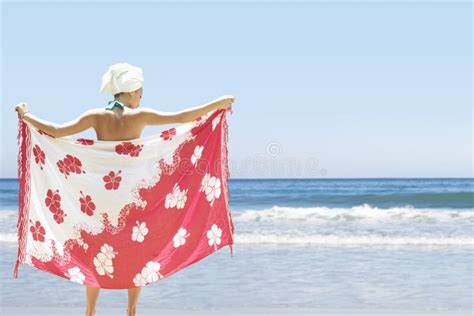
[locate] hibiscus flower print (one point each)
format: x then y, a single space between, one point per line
37 231
136 151
182 199
197 154
62 168
108 251
81 243
70 164
53 200
73 163
139 232
85 141
87 206
168 134
215 121
112 180
44 133
128 148
59 216
75 275
39 155
103 265
211 186
103 261
124 148
150 273
214 235
139 280
176 198
180 238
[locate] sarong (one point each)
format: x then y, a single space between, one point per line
123 214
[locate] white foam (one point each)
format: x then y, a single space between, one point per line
335 240
8 214
8 238
363 212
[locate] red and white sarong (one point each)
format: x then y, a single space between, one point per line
123 214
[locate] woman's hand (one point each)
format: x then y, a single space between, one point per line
225 102
21 108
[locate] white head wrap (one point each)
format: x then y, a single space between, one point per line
122 77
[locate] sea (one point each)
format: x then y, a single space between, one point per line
317 243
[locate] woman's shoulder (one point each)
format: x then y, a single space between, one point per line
103 111
95 111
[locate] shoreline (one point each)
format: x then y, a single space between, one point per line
251 311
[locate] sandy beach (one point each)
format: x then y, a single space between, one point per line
23 311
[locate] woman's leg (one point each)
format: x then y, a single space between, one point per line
91 294
133 294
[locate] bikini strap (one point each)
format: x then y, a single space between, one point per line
114 103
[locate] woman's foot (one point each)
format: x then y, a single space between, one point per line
90 313
131 311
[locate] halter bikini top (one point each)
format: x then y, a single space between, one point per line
114 103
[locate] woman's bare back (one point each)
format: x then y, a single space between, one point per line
119 124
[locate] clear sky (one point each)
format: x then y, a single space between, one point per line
322 89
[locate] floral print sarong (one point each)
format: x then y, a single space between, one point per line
123 214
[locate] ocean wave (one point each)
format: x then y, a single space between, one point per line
329 240
336 240
8 238
363 212
8 214
455 226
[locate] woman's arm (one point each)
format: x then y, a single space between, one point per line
81 123
154 117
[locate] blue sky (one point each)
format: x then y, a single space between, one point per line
323 89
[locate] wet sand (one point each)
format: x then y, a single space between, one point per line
104 311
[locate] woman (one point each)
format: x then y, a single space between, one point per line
122 119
